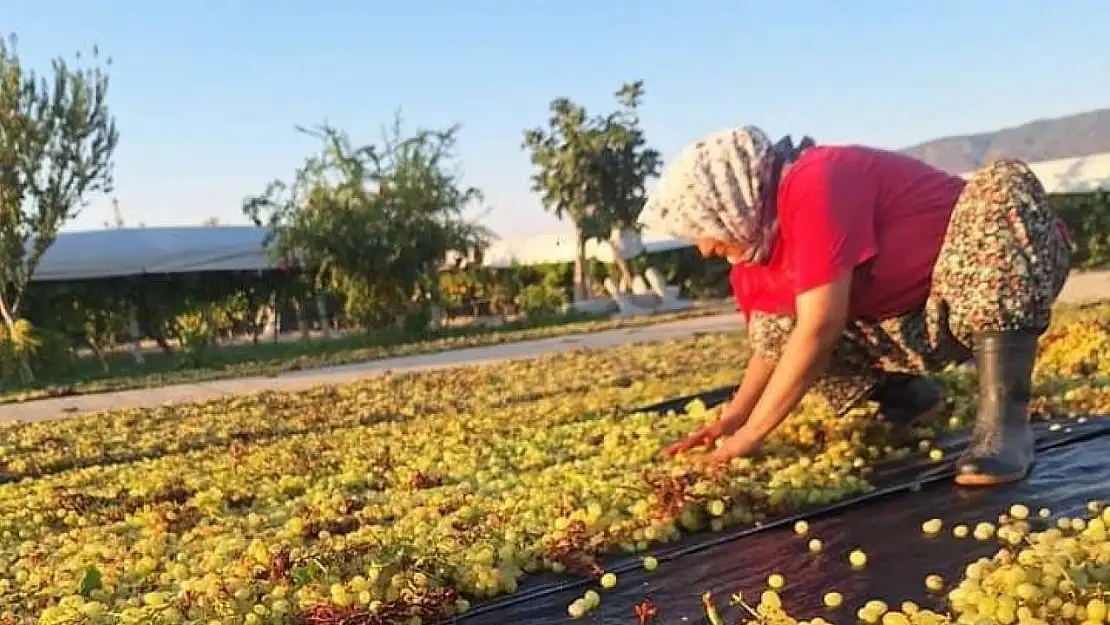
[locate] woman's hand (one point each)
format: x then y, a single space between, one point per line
736 446
820 322
705 437
735 414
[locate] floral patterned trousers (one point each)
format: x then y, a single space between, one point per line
1002 264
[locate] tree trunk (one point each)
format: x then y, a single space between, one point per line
149 324
322 312
98 354
581 291
276 321
625 243
301 312
258 328
622 267
273 323
9 320
136 337
25 372
213 328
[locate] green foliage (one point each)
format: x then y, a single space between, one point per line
538 301
564 177
57 138
196 335
55 353
373 222
593 170
25 346
624 164
561 156
18 345
532 290
417 321
368 306
237 313
698 277
91 581
1088 218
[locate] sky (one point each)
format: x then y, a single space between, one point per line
206 93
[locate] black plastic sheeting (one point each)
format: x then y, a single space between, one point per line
1073 467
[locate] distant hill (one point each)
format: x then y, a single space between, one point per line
1042 140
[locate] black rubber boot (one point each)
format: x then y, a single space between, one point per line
906 399
1001 449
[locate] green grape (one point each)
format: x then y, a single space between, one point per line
932 527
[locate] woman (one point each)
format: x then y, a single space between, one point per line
859 269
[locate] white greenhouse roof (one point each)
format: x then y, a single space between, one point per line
1073 175
123 252
559 248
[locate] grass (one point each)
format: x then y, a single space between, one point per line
268 358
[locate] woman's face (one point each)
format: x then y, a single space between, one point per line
715 248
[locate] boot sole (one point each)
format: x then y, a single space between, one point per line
983 479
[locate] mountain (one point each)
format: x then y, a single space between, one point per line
1041 140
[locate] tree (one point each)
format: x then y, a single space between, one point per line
563 177
117 222
624 166
373 222
57 139
593 171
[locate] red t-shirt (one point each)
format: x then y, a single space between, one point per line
879 214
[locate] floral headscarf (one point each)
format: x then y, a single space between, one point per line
724 187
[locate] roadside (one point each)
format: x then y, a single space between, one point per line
270 359
1081 287
1086 287
63 407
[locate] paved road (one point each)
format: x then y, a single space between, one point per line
62 407
1081 287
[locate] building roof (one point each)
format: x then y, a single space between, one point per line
120 252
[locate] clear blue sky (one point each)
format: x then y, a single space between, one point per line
206 93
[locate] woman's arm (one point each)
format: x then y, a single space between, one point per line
736 412
822 316
756 377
